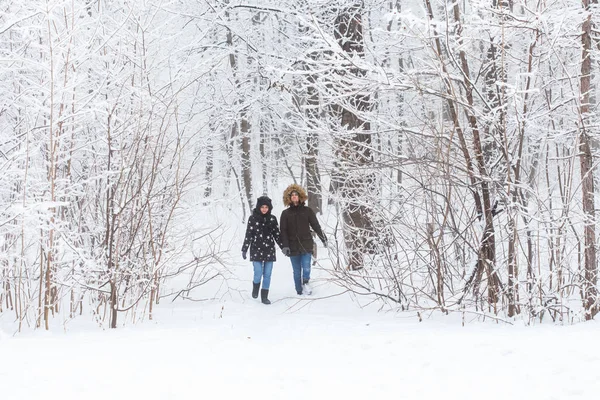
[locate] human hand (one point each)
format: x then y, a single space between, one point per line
244 255
325 243
286 251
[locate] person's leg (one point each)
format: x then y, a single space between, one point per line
258 268
264 292
267 270
297 267
264 296
305 263
256 280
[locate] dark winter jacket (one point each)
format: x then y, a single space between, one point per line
262 232
296 222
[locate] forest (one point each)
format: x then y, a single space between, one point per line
451 148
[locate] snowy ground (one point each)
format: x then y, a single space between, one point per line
301 348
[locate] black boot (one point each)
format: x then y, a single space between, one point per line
255 287
263 296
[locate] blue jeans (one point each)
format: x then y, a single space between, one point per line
301 267
263 269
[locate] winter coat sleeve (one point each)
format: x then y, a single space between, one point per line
275 231
249 235
285 240
314 224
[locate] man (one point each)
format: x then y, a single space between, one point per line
296 238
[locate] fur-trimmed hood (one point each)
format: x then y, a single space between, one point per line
302 196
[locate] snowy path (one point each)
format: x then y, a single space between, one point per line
328 349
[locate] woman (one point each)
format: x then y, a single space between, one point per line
262 232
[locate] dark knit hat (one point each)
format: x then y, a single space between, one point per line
264 200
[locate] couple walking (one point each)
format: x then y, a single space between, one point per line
294 239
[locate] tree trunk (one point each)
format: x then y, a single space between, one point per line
208 173
244 126
246 163
590 291
313 178
487 247
354 150
452 109
52 154
264 161
487 251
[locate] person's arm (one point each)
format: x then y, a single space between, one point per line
275 231
285 241
314 224
249 235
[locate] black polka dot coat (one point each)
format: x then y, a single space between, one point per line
262 232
